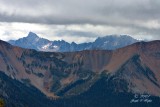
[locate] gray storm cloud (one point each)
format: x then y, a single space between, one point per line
79 11
142 17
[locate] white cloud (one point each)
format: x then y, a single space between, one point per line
77 33
81 20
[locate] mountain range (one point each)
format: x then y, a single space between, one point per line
88 78
110 42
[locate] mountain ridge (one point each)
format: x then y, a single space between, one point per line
132 69
110 42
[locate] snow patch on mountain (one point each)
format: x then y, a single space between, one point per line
47 46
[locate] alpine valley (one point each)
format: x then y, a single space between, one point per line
124 77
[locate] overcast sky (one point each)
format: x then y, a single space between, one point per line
79 20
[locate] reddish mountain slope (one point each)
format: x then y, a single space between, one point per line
54 73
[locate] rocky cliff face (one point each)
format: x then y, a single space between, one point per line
135 67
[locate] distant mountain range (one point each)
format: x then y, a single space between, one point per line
110 42
125 77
